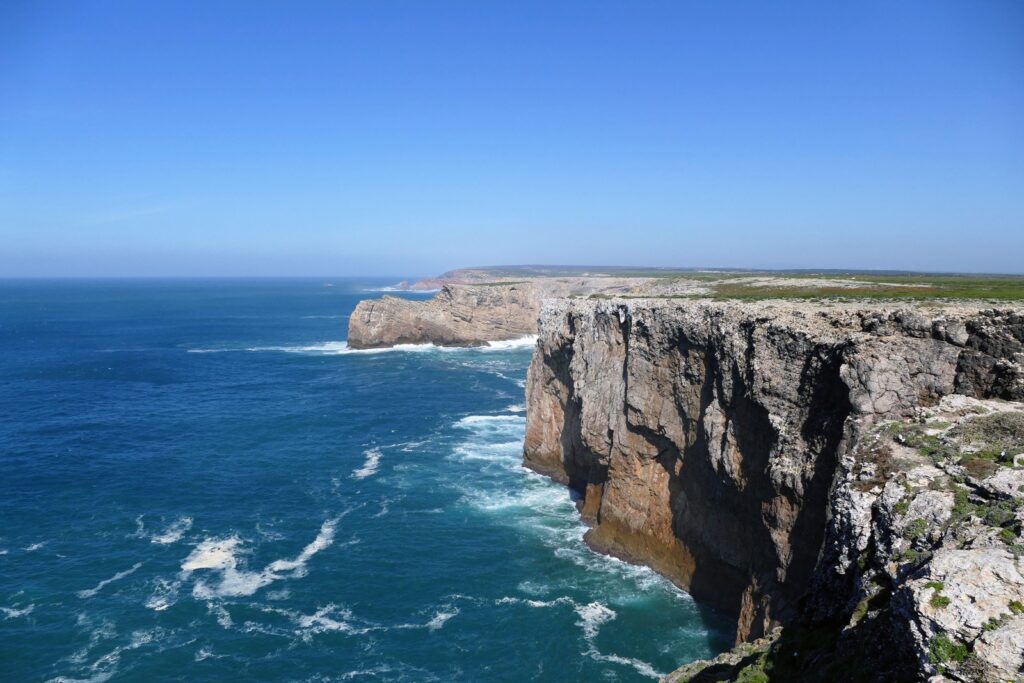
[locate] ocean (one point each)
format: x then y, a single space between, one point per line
199 481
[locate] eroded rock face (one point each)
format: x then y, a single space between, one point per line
459 315
722 444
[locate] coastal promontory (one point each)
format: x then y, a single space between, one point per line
836 462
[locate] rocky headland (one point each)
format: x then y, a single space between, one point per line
459 315
845 478
849 473
469 312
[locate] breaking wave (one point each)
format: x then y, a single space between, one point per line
15 612
339 348
222 555
369 466
172 534
88 593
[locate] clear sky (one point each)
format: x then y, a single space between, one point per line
409 137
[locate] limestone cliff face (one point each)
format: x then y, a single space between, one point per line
459 315
719 442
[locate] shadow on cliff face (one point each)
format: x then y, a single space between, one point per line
718 513
753 539
747 507
981 368
822 431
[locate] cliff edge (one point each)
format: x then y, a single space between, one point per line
851 473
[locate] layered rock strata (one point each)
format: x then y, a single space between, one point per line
730 446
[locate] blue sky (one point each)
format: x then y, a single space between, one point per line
409 137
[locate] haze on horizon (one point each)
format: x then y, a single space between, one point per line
359 138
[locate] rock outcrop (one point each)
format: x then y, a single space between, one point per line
472 313
751 452
459 315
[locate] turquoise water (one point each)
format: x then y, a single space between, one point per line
199 481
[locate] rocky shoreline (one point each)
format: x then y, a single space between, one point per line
845 479
802 466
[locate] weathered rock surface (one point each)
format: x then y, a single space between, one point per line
459 315
472 313
737 448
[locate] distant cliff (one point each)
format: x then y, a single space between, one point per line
471 312
849 473
459 315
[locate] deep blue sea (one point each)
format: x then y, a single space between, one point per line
200 482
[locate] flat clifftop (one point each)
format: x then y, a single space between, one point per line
757 454
818 316
754 285
477 305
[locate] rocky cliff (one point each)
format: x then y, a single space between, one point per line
459 315
814 467
472 313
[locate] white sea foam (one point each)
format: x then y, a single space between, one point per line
441 618
269 534
212 553
323 540
336 348
174 532
592 616
204 653
34 547
548 511
105 630
563 600
15 612
101 677
517 408
221 614
370 464
543 502
106 667
505 447
491 431
641 667
329 618
511 344
360 673
471 421
329 347
164 595
282 594
385 508
507 454
437 621
222 555
533 588
90 592
410 446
